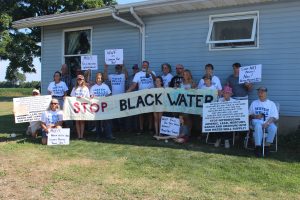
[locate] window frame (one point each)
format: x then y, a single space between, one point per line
230 17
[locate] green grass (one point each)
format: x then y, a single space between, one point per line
138 167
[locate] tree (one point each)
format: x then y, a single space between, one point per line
20 47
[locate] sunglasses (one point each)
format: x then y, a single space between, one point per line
79 79
54 103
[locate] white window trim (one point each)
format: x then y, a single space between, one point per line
235 16
76 29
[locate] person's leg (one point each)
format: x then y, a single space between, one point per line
159 119
44 137
258 131
108 129
82 125
98 128
150 120
77 124
272 131
141 118
155 115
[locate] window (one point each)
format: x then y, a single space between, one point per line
77 42
233 31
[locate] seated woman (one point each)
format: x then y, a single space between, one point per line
184 132
35 126
51 118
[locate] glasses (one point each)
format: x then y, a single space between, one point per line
54 103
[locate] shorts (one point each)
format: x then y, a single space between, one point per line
44 134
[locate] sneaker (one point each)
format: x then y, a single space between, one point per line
218 142
227 145
94 129
258 151
140 132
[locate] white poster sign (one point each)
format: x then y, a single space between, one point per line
225 116
29 109
89 62
114 56
169 126
58 136
250 74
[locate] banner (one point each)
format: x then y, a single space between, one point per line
169 126
250 74
225 116
58 136
29 109
89 62
133 103
114 56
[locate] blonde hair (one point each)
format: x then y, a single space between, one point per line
56 101
77 85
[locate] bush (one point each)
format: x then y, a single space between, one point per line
291 141
32 84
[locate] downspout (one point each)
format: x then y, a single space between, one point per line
140 27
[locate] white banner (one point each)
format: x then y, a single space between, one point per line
250 74
89 62
225 116
58 136
134 103
169 126
114 56
29 109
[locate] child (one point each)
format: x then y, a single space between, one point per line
184 132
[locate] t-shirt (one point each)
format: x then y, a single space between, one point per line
57 89
184 130
186 86
223 99
267 107
117 83
80 92
214 81
212 87
142 81
52 117
176 81
167 79
239 90
100 90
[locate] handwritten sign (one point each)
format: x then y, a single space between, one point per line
114 56
58 136
169 126
89 62
250 74
29 109
225 116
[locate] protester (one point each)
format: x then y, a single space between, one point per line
240 91
77 72
144 80
135 69
51 118
207 84
215 81
184 131
57 88
263 113
100 89
166 74
227 93
177 79
80 90
34 127
66 77
157 115
187 81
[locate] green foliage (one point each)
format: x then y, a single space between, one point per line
9 84
20 47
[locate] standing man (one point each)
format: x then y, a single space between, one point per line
178 78
240 91
263 113
144 80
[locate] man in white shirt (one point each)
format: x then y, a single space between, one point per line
263 113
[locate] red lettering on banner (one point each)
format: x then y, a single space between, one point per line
95 106
84 106
77 108
103 105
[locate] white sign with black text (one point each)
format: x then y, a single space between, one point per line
114 56
58 136
250 74
225 116
169 126
89 62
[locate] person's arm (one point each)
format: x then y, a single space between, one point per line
105 74
132 87
248 86
44 127
151 74
124 71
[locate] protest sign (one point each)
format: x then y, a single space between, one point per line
134 103
58 136
89 62
29 109
250 74
169 126
225 116
114 56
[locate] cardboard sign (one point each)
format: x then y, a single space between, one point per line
30 109
250 74
169 126
89 62
114 56
225 116
58 136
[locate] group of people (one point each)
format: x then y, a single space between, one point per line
263 112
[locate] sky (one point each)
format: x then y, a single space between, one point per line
36 62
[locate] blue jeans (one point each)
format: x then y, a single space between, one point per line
258 132
107 128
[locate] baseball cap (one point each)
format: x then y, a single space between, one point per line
36 91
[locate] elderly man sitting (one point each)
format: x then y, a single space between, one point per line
263 113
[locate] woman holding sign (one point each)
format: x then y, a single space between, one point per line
51 118
80 90
57 88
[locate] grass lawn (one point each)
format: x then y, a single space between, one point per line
137 167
